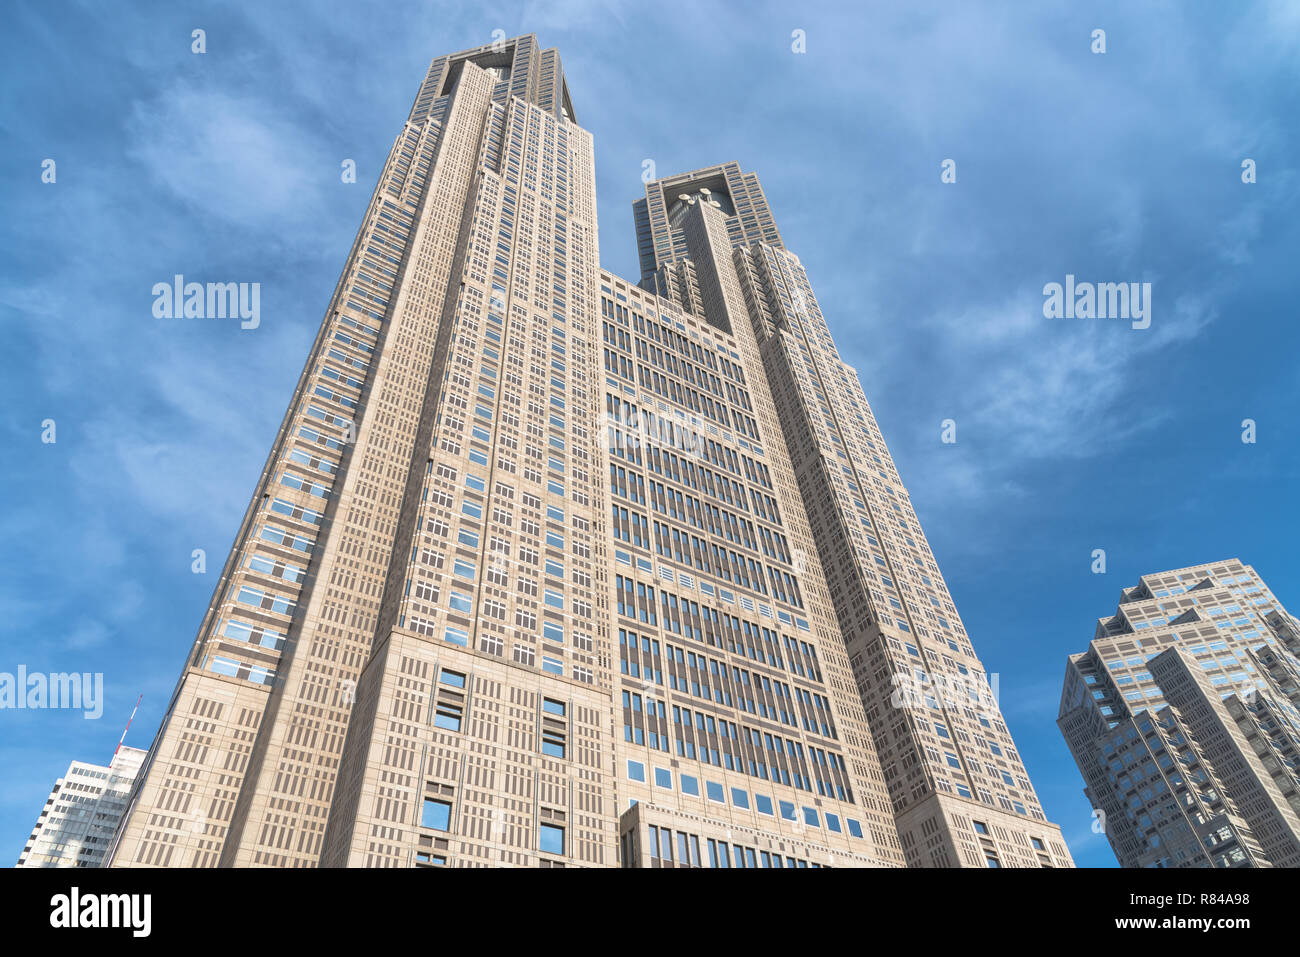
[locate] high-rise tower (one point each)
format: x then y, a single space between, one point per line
959 790
526 579
1182 716
82 813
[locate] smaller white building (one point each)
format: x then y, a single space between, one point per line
77 823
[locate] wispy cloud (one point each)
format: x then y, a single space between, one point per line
234 158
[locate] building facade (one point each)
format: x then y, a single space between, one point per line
528 578
82 813
1182 717
960 795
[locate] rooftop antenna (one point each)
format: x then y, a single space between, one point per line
128 724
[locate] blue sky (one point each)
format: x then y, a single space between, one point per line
1072 434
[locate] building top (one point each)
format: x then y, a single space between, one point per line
520 67
736 194
1166 584
1216 612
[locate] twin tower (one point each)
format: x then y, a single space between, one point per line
549 568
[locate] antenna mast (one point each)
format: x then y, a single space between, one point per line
128 724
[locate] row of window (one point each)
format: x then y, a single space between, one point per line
680 849
706 624
740 798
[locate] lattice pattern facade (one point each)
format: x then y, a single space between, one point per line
708 240
421 643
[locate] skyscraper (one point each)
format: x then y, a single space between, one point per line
960 794
82 812
527 578
1182 718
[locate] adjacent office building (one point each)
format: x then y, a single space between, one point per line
529 577
82 812
1182 718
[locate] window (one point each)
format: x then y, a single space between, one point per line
664 778
448 716
810 816
991 861
787 810
855 828
553 743
740 798
1038 844
683 849
690 785
452 679
981 827
436 815
635 771
550 839
762 804
552 707
714 790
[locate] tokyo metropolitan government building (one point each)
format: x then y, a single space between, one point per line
547 568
